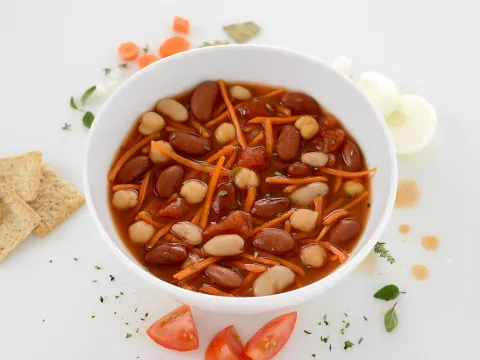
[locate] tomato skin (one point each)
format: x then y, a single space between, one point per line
271 338
226 345
176 330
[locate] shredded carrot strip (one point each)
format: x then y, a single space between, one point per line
234 142
285 180
198 215
172 197
257 139
146 149
220 109
282 261
129 153
346 174
318 202
198 252
251 195
246 283
206 289
125 187
174 239
226 150
191 164
342 255
275 120
247 128
231 159
274 222
291 188
143 191
334 216
233 114
198 266
258 259
212 185
334 205
163 231
186 286
306 241
357 200
178 126
269 136
323 233
144 216
333 258
249 267
337 184
288 226
284 110
199 127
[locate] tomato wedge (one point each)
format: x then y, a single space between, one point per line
175 330
226 345
271 338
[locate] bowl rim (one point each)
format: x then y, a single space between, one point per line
334 277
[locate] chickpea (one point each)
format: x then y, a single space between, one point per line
173 109
353 188
307 126
315 159
191 259
239 92
125 199
225 133
304 220
141 232
150 123
313 255
194 191
156 156
189 232
245 178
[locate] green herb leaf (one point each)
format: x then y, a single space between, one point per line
88 119
391 320
235 170
330 347
93 316
201 130
368 205
380 249
97 267
325 319
73 104
87 94
360 340
275 154
128 335
242 32
145 49
206 148
121 293
123 66
224 217
269 107
67 127
348 345
307 332
365 318
278 173
76 259
222 193
267 196
255 254
101 299
112 278
389 292
216 42
324 339
106 71
313 355
117 296
51 261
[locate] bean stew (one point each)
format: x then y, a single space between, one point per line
240 190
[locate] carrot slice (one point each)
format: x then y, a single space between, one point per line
290 188
226 150
274 222
323 233
357 200
290 265
303 235
318 202
119 187
174 45
144 216
284 110
191 164
206 289
143 191
346 174
249 267
342 255
198 266
251 195
220 109
233 114
285 180
172 197
269 136
128 154
288 226
146 59
212 185
334 205
231 159
199 127
337 184
258 259
257 139
275 120
128 51
181 25
247 281
334 216
163 231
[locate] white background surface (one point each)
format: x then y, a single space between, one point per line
53 49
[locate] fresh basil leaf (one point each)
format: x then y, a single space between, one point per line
242 32
391 320
389 292
88 119
73 104
87 94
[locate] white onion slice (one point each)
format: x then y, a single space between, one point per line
382 90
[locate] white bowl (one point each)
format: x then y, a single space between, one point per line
247 63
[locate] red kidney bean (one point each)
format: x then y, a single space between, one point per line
275 241
257 107
328 121
203 100
351 156
168 181
225 277
300 102
254 158
329 140
224 199
190 143
237 222
133 168
268 208
167 254
299 170
175 209
344 231
288 143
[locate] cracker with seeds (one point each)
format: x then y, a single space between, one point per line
22 173
17 220
56 200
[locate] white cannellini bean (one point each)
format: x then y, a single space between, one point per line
194 191
225 133
124 199
224 245
307 126
173 109
191 259
304 220
304 196
273 281
189 232
353 188
313 255
245 178
314 159
151 122
141 232
158 157
239 92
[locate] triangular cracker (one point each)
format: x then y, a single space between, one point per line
17 220
56 200
22 173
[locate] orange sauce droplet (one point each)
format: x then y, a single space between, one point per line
420 272
430 243
404 229
408 194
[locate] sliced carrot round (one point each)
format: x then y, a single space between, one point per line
174 45
128 51
181 25
146 60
